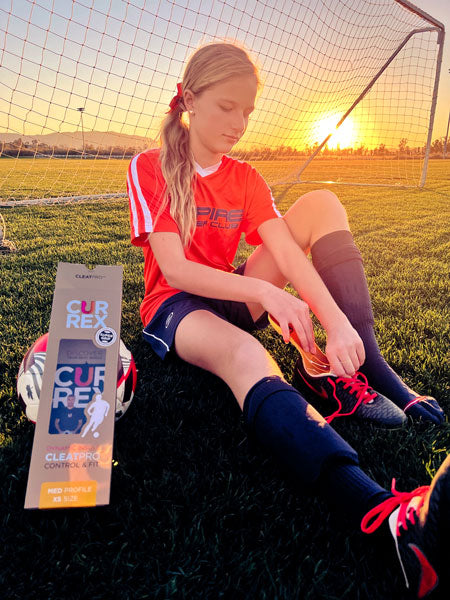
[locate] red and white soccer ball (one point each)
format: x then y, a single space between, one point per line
29 378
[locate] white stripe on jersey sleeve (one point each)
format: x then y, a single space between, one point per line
148 223
275 207
133 208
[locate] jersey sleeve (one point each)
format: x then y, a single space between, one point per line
260 207
145 185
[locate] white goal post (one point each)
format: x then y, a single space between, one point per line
349 95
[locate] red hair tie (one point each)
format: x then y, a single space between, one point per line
176 99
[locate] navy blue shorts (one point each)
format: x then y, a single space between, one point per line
160 332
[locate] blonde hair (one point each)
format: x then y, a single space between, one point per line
209 65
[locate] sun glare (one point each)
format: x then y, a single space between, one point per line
343 137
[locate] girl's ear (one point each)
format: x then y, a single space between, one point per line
188 100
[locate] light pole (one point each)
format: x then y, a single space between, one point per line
81 111
446 136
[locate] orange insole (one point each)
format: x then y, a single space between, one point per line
314 364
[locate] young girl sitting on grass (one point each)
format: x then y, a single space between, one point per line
189 205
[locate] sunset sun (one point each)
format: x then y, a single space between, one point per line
343 137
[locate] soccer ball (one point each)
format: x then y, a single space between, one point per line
29 378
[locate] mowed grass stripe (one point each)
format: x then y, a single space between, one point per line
26 178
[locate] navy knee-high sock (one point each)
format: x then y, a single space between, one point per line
280 419
339 263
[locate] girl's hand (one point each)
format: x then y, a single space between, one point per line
344 350
290 311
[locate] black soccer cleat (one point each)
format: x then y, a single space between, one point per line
351 396
419 522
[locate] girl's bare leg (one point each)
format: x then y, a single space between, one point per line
209 342
312 216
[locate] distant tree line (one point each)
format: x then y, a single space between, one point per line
18 148
403 151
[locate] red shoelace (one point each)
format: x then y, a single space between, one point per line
380 512
360 388
415 401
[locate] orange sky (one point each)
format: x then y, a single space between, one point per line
127 67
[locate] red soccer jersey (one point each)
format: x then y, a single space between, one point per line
234 199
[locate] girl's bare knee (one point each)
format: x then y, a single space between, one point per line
250 362
315 214
247 349
324 202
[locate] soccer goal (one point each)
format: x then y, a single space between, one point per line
349 94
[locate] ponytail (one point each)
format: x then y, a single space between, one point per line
178 169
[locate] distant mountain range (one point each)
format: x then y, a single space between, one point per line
74 139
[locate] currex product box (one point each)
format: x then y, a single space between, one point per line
73 441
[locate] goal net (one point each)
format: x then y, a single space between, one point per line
86 83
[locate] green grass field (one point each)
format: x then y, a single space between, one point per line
197 511
26 178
